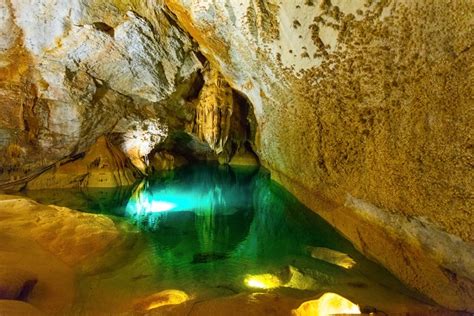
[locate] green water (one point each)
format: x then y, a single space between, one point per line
206 228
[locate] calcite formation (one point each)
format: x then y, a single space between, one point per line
103 166
362 109
363 99
71 70
214 111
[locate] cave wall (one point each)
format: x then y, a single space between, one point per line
72 71
367 104
363 109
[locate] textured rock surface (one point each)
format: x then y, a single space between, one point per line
371 99
18 308
71 236
214 111
71 70
103 166
364 103
53 246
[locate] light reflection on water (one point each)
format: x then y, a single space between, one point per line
209 228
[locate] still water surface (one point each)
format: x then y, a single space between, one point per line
213 231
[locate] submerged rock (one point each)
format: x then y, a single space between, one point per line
332 256
206 257
163 298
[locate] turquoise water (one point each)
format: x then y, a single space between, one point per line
209 229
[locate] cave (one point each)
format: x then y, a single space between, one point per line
277 157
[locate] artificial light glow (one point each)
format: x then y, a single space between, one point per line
328 304
163 298
262 281
160 206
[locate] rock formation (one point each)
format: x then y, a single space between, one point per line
51 246
103 166
362 109
71 71
364 104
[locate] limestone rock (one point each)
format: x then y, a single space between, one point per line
139 138
352 98
222 118
102 166
52 245
244 157
80 67
163 298
15 284
332 256
18 308
165 161
72 236
327 304
255 304
214 111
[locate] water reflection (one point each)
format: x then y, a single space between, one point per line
221 230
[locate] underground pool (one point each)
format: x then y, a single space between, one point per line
208 231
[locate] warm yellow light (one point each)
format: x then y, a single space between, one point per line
332 256
168 297
328 304
262 281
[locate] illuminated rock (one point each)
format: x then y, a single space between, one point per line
103 166
255 304
70 71
164 298
72 236
166 161
53 245
262 281
18 308
214 111
328 304
140 139
332 256
339 90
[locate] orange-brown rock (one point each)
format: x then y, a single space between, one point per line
52 246
214 111
103 166
365 100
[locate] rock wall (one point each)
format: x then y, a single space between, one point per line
367 104
103 166
71 71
